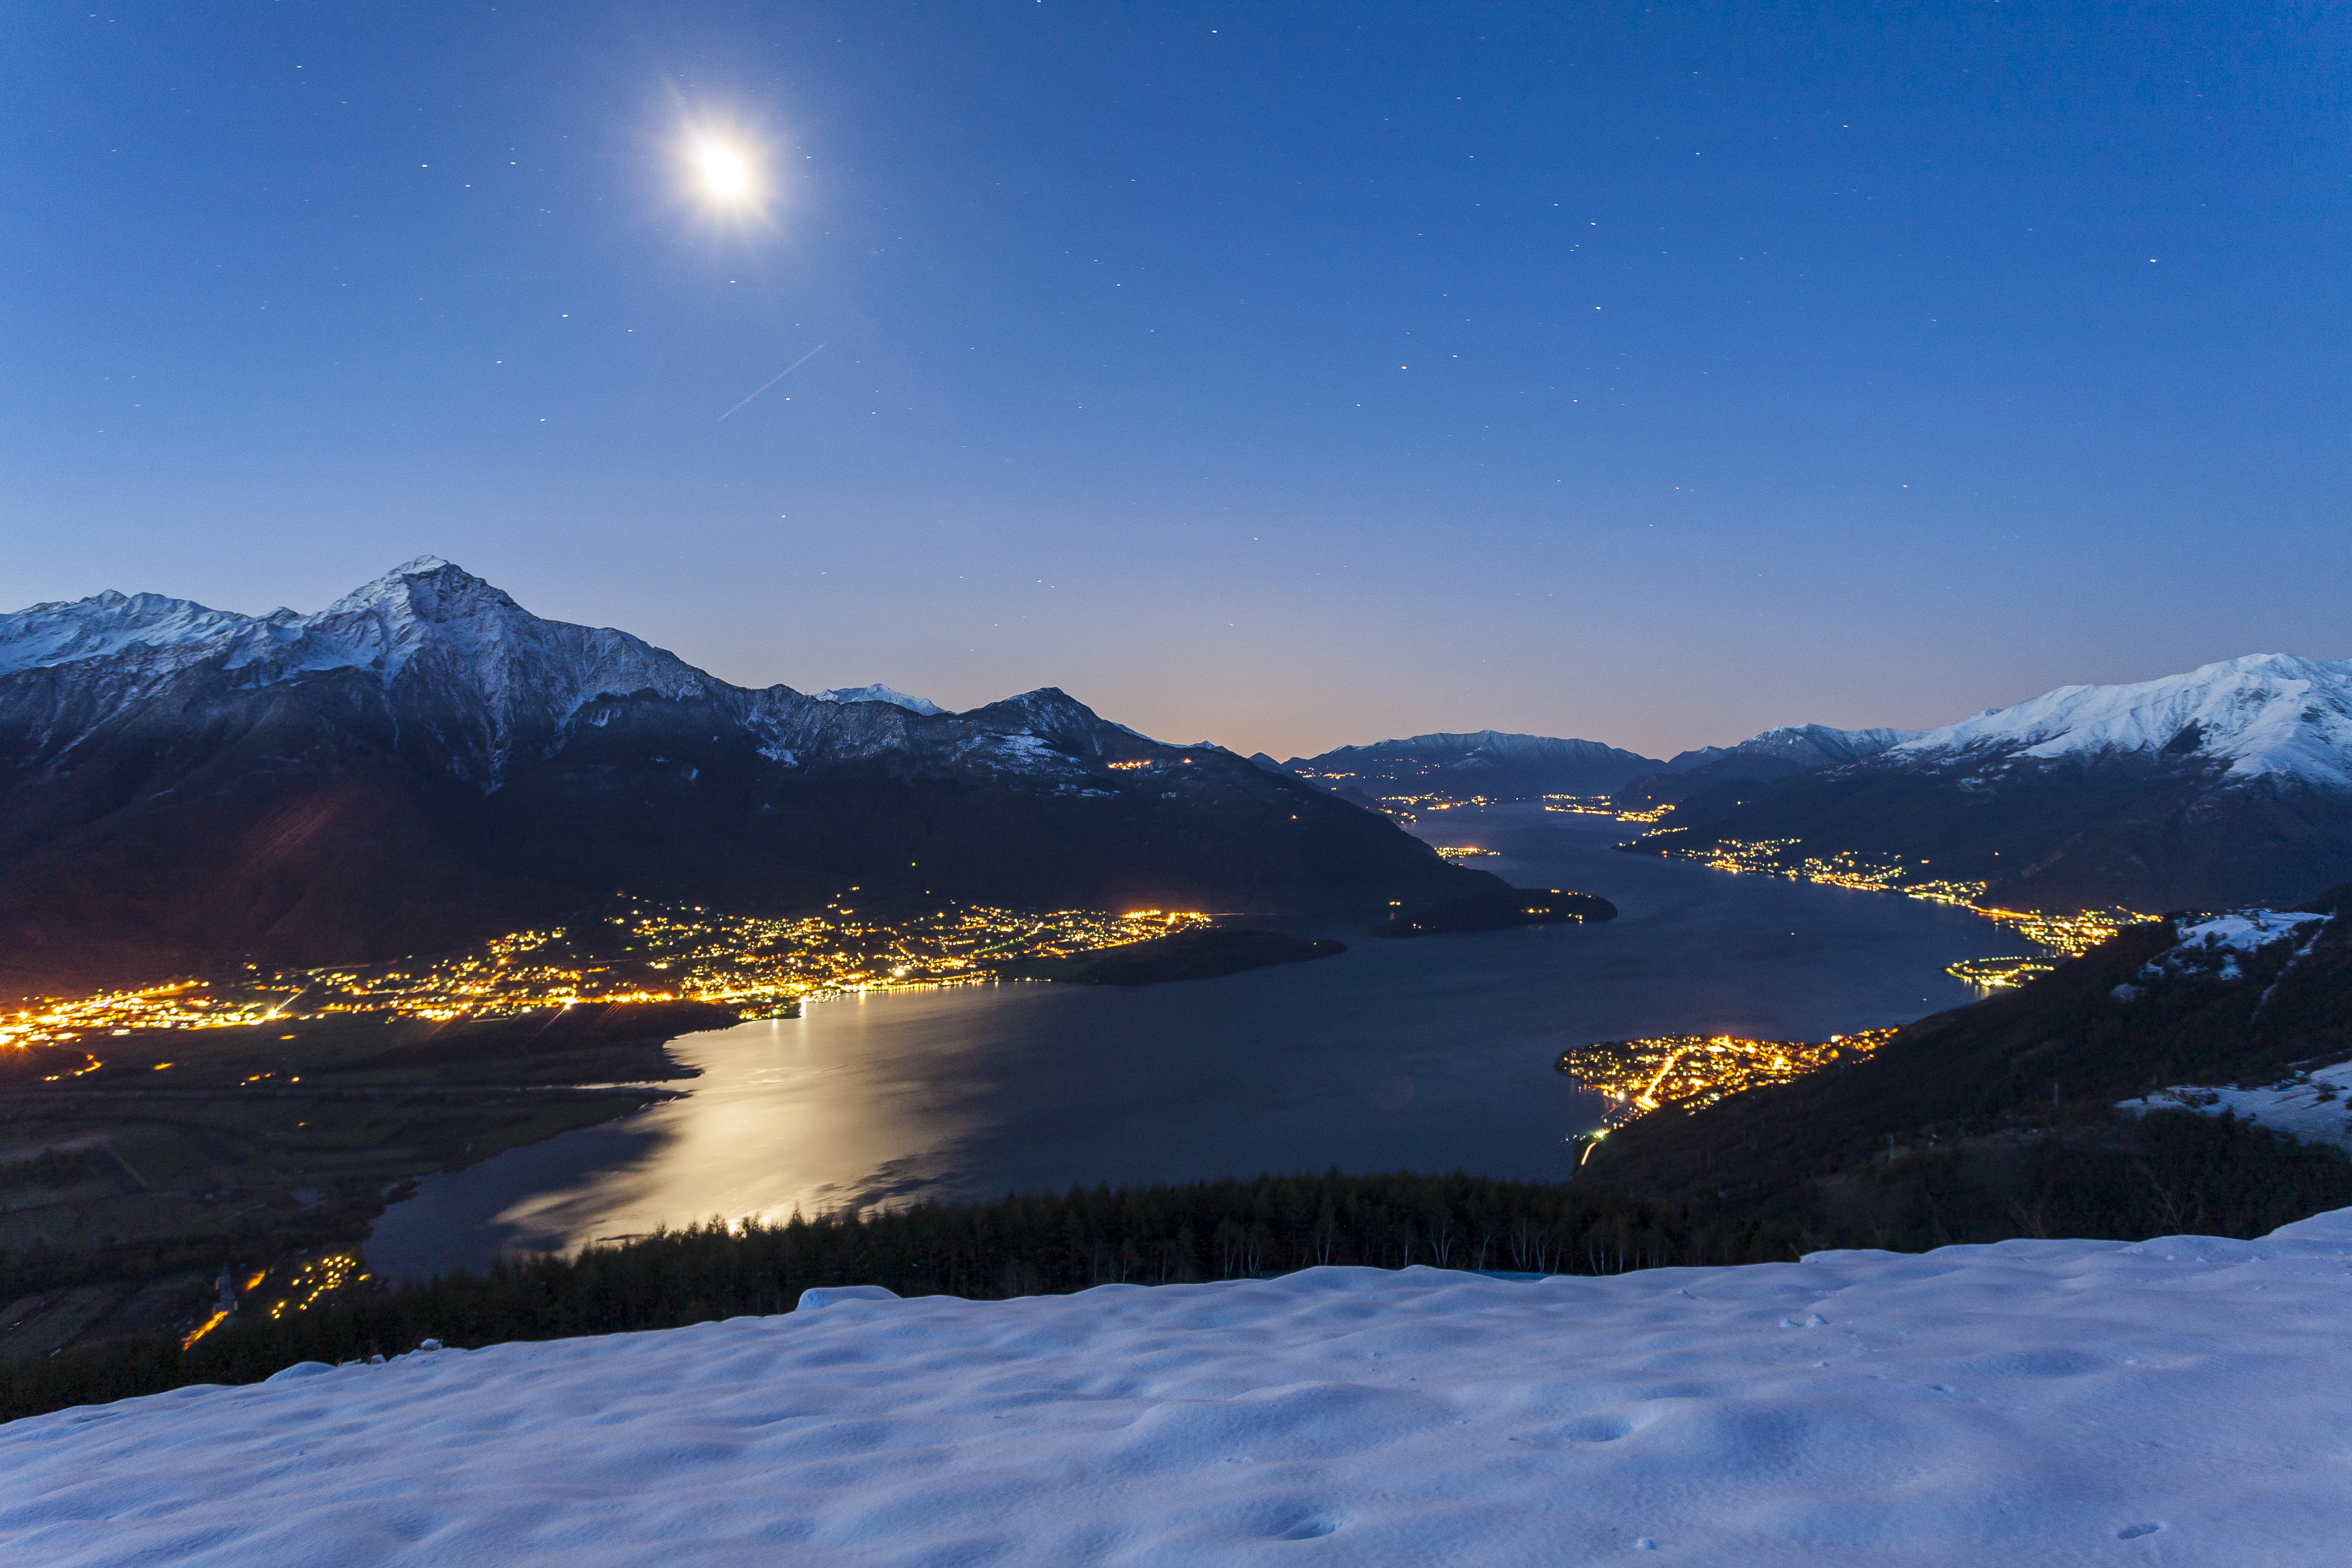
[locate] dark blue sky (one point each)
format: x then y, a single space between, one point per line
1282 376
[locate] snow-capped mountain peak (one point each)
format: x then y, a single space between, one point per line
419 586
2264 715
877 692
497 672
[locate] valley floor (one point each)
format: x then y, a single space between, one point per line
2174 1400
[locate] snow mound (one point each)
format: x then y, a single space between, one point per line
877 692
2177 1401
2267 714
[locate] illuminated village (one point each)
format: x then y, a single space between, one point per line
1691 1072
294 1287
758 966
2064 935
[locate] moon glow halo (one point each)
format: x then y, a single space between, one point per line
725 173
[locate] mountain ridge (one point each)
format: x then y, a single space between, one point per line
1477 762
425 763
2265 714
1772 753
2230 783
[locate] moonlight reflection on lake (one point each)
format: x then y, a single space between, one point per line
1433 1055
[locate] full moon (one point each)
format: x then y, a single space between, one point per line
725 174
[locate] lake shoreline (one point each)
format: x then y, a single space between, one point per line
1433 1054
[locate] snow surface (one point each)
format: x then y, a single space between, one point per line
2181 1400
2313 1106
877 692
2267 714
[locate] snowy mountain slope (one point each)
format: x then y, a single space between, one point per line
2265 715
2229 785
2177 1401
427 608
426 630
425 762
1805 745
1974 1123
1485 762
499 683
1775 753
61 632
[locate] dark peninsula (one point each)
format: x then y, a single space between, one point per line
1187 955
1492 909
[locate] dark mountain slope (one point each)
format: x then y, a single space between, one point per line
2228 783
1483 762
2000 1117
1775 753
424 763
2145 831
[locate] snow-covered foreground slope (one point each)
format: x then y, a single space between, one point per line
2179 1401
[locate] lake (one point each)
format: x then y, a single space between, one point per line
1433 1054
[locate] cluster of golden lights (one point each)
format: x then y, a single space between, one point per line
1691 1072
2059 933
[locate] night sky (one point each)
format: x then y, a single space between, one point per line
1276 375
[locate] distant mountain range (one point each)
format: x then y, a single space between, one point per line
1484 761
424 763
1775 753
2229 785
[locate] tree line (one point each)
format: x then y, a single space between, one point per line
1018 1245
